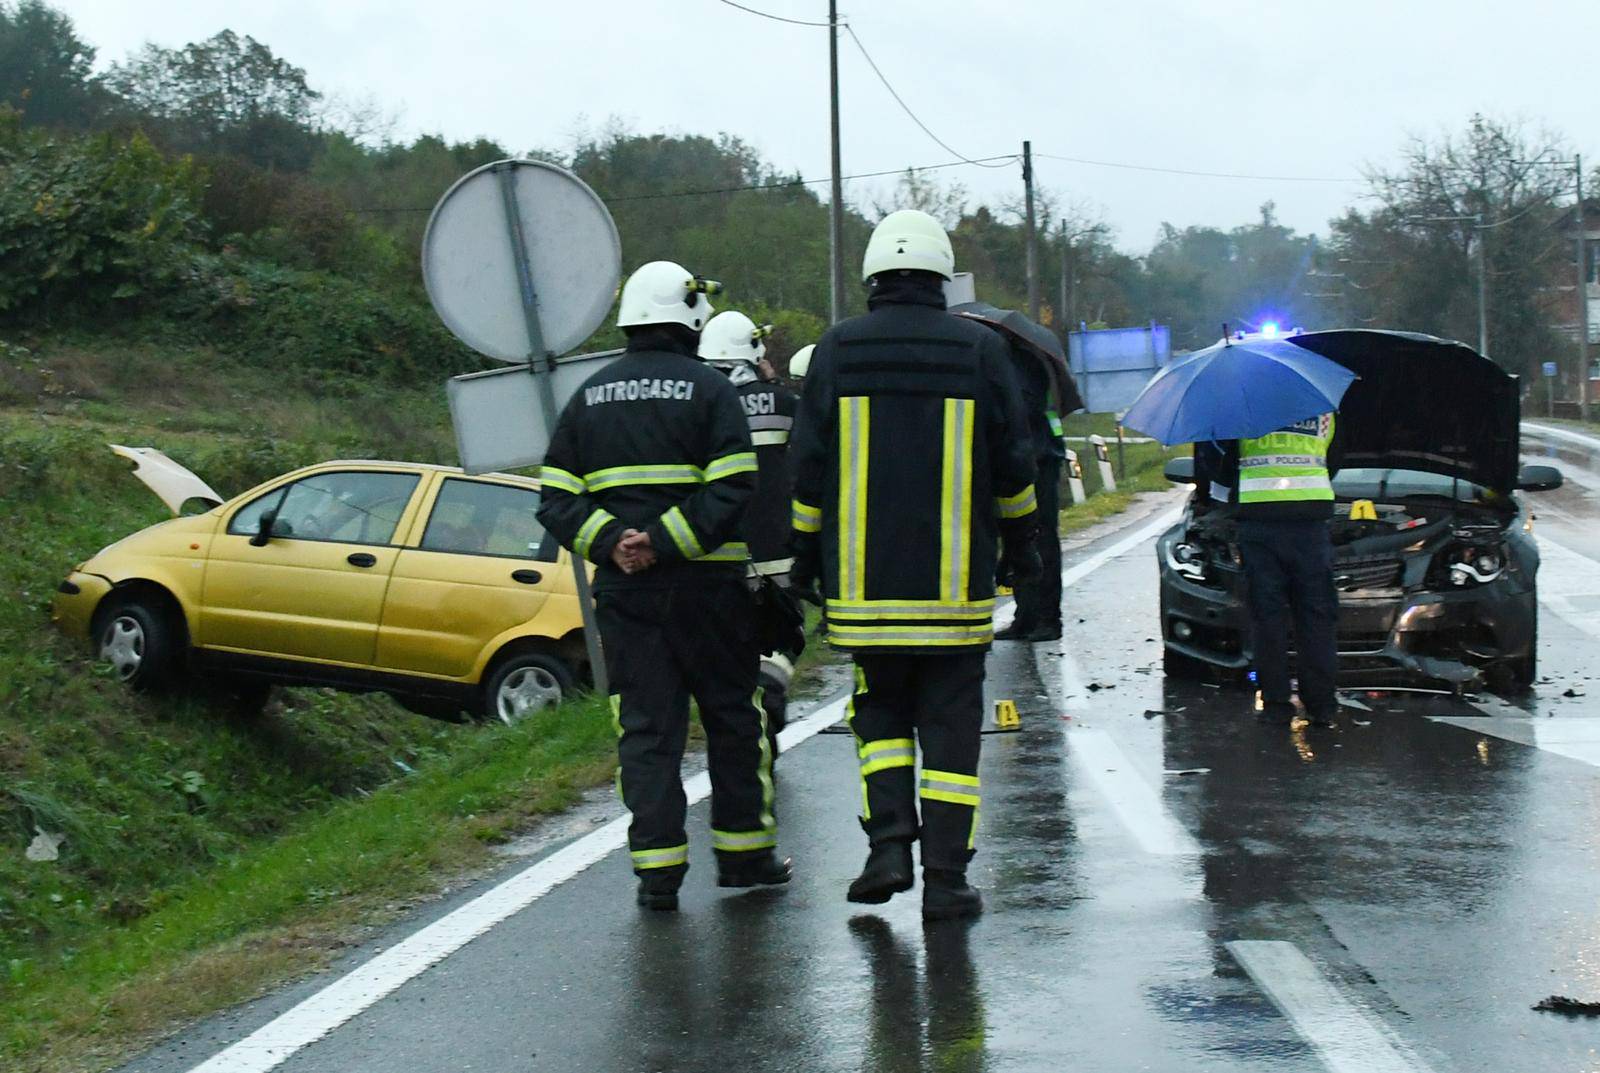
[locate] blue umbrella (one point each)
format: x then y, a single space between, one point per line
1237 391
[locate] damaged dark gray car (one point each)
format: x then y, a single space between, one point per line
1435 561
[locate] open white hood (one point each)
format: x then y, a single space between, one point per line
171 483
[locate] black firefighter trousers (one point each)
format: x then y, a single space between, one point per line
1039 601
662 646
936 702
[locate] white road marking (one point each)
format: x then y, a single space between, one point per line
1575 738
1346 1037
316 1016
1569 584
1134 800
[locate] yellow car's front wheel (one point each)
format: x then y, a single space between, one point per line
525 683
138 642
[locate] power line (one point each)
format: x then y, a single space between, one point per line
784 185
1201 174
774 18
907 108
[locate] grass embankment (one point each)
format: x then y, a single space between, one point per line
1141 472
208 856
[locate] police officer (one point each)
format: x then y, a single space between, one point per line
1039 601
912 462
648 472
1280 488
735 345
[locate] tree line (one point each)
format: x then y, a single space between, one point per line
212 186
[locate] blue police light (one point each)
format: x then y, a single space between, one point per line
1269 329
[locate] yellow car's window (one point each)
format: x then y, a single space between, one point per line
479 518
346 508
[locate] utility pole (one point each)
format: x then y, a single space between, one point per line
836 209
1483 285
1583 296
1064 311
1033 245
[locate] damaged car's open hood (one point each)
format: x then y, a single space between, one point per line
1424 403
173 484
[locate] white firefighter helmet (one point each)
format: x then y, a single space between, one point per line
800 363
663 292
910 239
734 337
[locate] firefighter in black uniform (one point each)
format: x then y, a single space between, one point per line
648 472
912 461
733 343
1039 601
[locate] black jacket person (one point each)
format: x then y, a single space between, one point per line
912 460
648 472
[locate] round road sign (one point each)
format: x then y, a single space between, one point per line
469 264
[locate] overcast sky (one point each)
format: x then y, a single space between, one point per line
1259 87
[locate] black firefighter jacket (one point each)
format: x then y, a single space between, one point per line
911 454
770 410
657 442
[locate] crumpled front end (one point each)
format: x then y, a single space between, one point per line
1446 599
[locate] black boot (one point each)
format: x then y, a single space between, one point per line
659 891
1045 632
946 895
760 869
887 873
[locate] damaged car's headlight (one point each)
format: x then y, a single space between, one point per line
1465 565
1187 559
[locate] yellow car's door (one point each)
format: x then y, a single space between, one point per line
475 573
300 571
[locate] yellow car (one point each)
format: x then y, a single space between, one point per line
420 581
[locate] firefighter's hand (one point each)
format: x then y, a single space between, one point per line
633 552
1021 564
803 583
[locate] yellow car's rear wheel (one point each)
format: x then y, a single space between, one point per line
524 684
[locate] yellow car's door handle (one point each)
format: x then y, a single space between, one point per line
361 558
527 577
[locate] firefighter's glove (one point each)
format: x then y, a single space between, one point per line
1019 565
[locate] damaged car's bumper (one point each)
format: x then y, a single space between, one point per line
1450 637
75 602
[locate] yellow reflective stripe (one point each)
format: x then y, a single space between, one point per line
951 787
874 610
1020 505
806 518
906 634
955 500
854 443
670 857
764 768
678 529
618 476
731 552
730 465
554 477
742 841
887 753
591 529
850 721
769 437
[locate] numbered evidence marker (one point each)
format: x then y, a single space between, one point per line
1006 716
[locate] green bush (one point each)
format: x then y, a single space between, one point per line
96 220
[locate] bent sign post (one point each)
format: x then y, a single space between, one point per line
521 261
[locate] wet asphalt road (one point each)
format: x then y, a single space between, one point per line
1170 887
